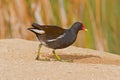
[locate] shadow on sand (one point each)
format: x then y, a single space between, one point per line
74 57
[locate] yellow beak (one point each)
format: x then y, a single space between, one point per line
85 30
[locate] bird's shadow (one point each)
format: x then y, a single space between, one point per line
74 57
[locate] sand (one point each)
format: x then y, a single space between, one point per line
17 62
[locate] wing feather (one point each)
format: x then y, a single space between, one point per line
51 31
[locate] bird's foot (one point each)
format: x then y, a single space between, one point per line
43 59
58 58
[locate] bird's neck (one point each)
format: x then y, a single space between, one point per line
74 29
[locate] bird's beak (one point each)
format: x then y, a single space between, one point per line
85 30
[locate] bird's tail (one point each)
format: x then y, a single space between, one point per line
35 25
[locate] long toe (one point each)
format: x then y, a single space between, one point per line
42 58
45 59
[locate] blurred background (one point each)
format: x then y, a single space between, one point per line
101 18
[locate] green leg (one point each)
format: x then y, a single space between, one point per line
39 56
56 56
59 59
40 45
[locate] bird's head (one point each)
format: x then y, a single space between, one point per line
79 26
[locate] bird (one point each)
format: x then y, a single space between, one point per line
55 37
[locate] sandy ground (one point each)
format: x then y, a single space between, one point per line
17 62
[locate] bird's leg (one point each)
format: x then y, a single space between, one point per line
56 56
39 56
38 53
59 58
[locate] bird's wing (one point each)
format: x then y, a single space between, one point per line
51 31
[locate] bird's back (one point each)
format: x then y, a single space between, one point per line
51 31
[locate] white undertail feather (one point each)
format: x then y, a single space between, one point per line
38 31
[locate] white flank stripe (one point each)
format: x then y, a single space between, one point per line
44 43
61 36
38 31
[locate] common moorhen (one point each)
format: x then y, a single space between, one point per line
56 37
